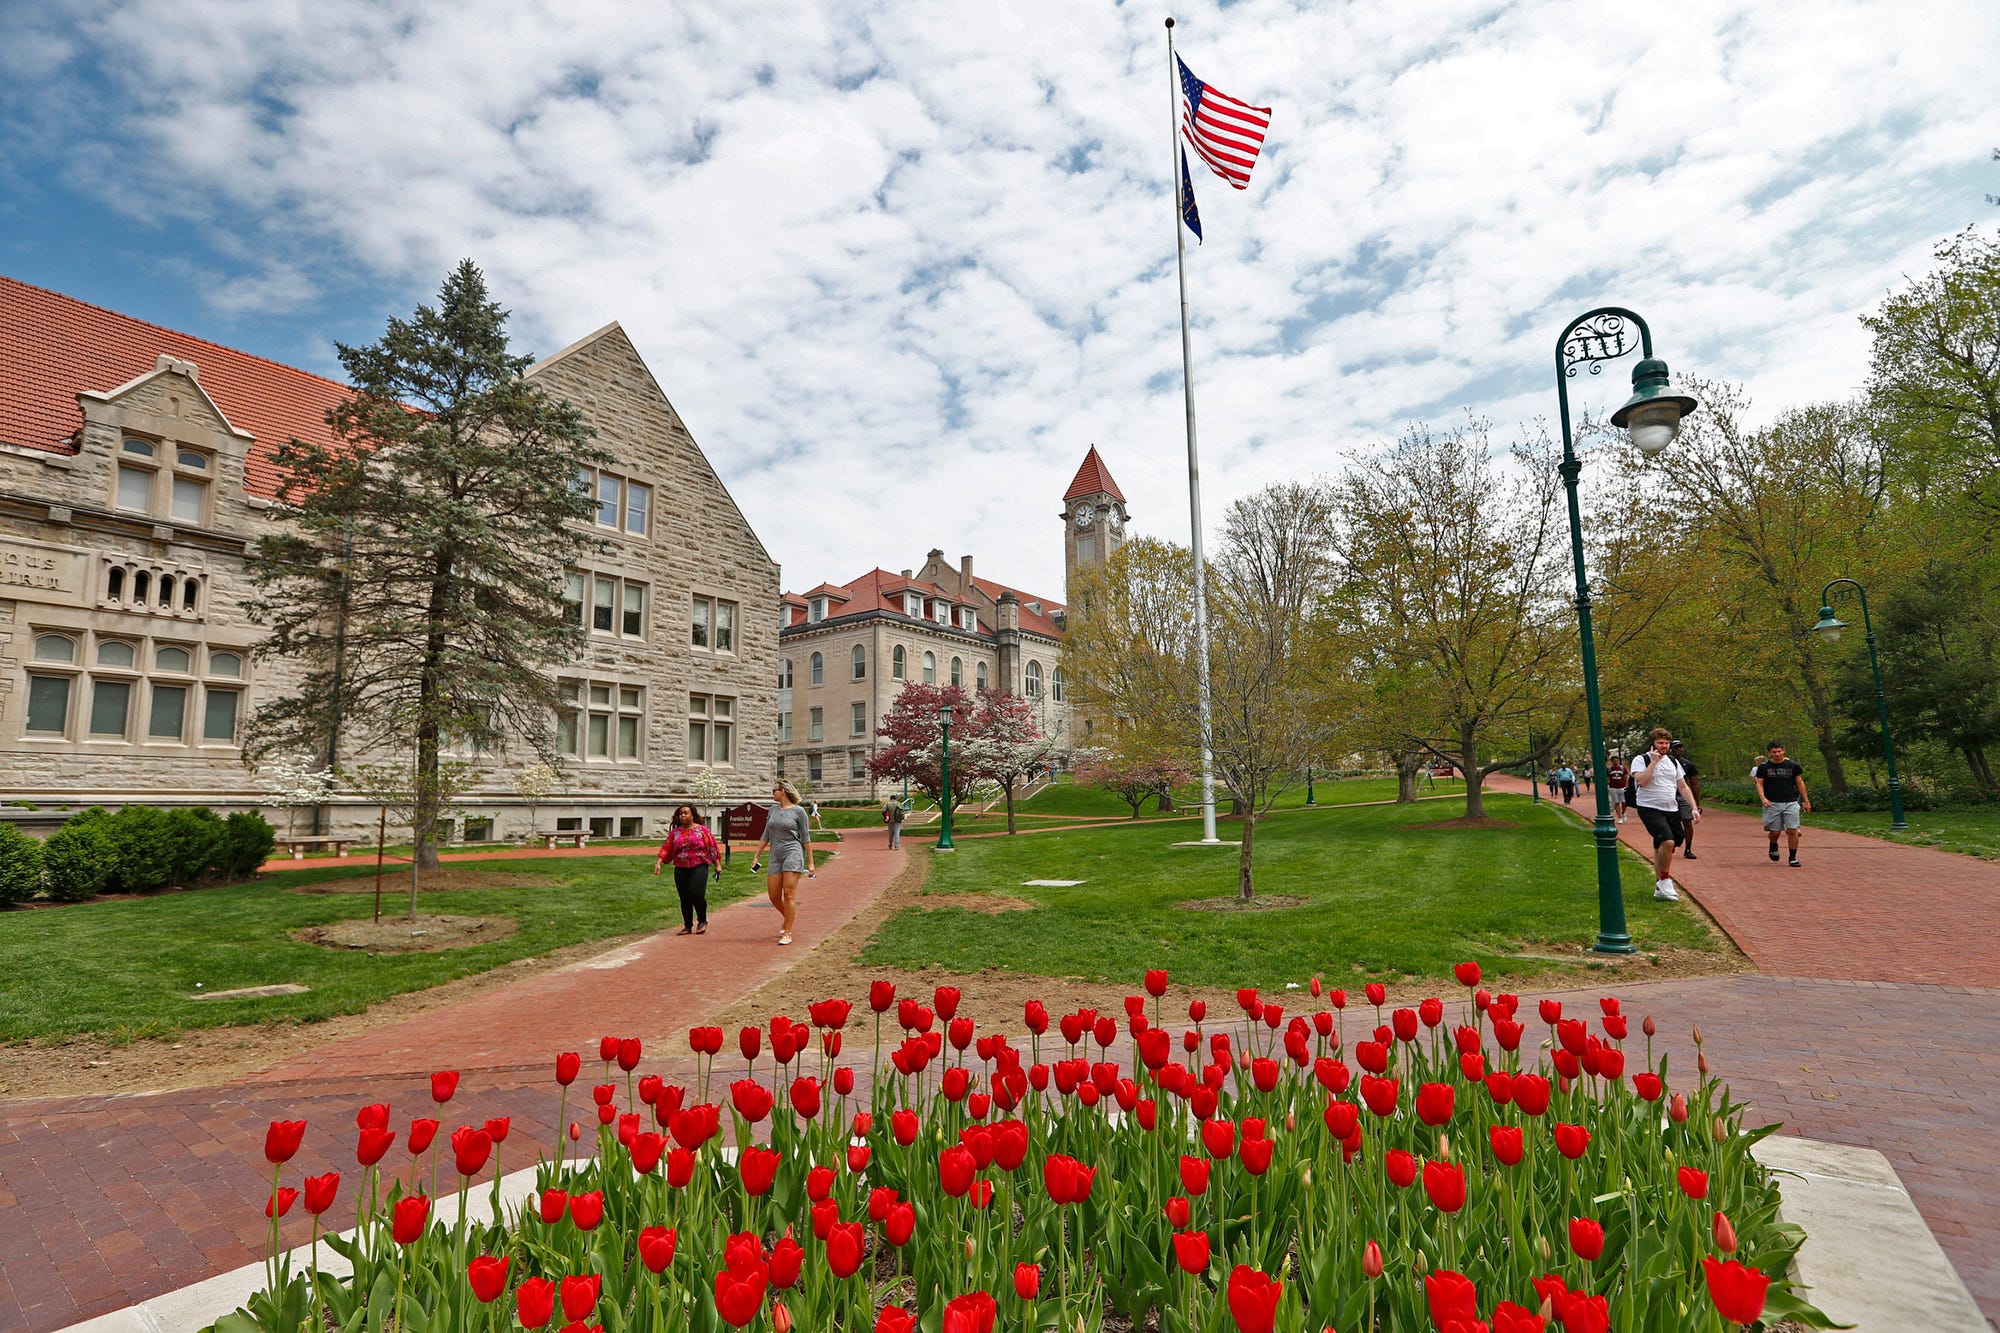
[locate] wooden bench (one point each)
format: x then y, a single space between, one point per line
576 840
299 846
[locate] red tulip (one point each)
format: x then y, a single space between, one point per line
554 1203
1531 1093
1197 1010
1253 1299
1066 1179
1380 1094
1341 1118
1028 1278
421 1133
1677 1108
895 1319
535 1302
806 1097
646 1149
845 1242
1400 1167
1724 1233
579 1295
1648 1086
1434 1103
788 1258
1178 1211
1156 982
973 1312
1571 1140
1507 1145
1371 1261
470 1148
899 1225
604 1093
738 1298
575 1131
1219 1138
488 1276
586 1211
1551 1011
1191 1251
656 1248
750 1041
1404 1023
1431 1011
1010 1144
321 1191
407 1221
1511 1318
1451 1298
903 1125
1445 1183
374 1143
282 1139
281 1202
1467 974
758 1168
955 1170
881 996
443 1085
1035 1015
1694 1183
843 1080
1256 1156
568 1064
1586 1238
1194 1174
375 1116
1581 1312
1507 1032
751 1099
946 998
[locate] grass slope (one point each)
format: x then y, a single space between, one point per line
1384 899
126 967
1968 832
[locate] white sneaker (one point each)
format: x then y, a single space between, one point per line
1665 891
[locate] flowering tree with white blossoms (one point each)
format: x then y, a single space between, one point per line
295 784
1005 744
534 784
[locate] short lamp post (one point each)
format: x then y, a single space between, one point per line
1534 774
1652 418
1829 628
1309 786
944 778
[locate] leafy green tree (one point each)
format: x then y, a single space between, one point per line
419 578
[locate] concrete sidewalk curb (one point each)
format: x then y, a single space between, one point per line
1868 1259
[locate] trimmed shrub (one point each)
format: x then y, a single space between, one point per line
79 860
141 843
20 866
194 840
247 842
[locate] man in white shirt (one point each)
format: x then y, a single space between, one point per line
1659 785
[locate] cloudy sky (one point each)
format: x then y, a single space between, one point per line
898 265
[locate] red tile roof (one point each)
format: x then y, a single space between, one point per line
1093 478
1044 623
880 590
53 347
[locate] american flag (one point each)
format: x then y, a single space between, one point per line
1224 132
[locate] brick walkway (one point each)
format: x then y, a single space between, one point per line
1871 1023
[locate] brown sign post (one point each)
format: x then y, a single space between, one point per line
744 823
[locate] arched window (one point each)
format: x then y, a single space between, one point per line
54 648
224 664
1057 687
1032 680
899 663
957 671
114 583
173 659
979 675
860 662
930 668
784 673
818 670
113 653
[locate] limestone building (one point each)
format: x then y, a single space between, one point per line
847 650
135 472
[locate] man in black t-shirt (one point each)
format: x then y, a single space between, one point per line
1781 785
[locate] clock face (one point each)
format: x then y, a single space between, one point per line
1084 518
1117 524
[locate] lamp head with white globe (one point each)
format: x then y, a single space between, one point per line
1652 415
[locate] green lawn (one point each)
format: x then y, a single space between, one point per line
1384 899
127 967
1069 798
1971 832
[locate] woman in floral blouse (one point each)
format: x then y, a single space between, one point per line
693 851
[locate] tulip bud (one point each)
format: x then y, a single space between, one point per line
1548 1311
1542 1244
1697 1034
1701 1064
1649 1027
1725 1234
1291 1121
968 1247
781 1318
1718 1131
1371 1260
1444 1147
575 1131
1677 1108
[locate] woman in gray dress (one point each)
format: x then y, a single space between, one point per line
788 837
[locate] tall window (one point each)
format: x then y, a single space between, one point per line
815 610
703 610
633 621
818 669
604 605
858 721
189 496
1058 688
979 675
860 662
725 627
711 730
714 624
857 765
968 618
816 725
785 728
623 505
957 671
930 668
815 770
600 719
49 693
784 673
617 606
1031 684
137 466
899 663
572 598
638 507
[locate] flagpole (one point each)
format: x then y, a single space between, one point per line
1194 465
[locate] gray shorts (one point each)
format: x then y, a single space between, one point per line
787 860
1617 796
1781 815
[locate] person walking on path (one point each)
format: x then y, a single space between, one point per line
1555 785
1657 786
1583 776
1688 798
788 837
1566 778
1614 782
1781 786
892 815
693 851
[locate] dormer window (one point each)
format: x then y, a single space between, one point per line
942 613
913 605
968 618
815 610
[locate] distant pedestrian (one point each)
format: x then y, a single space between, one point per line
892 815
812 812
1583 779
788 837
1614 782
1566 778
1657 784
1687 799
694 853
1781 786
1555 787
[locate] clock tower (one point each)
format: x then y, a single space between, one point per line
1094 520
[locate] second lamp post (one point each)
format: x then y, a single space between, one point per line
1829 627
944 778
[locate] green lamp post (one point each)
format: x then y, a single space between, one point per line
1309 786
1829 627
1652 418
944 778
1534 774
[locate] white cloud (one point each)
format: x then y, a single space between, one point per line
898 265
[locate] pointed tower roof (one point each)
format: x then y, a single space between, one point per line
1093 478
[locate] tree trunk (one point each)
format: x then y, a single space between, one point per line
1164 798
1245 888
1008 788
1475 784
1820 712
1407 768
1982 769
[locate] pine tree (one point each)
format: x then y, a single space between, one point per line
419 577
